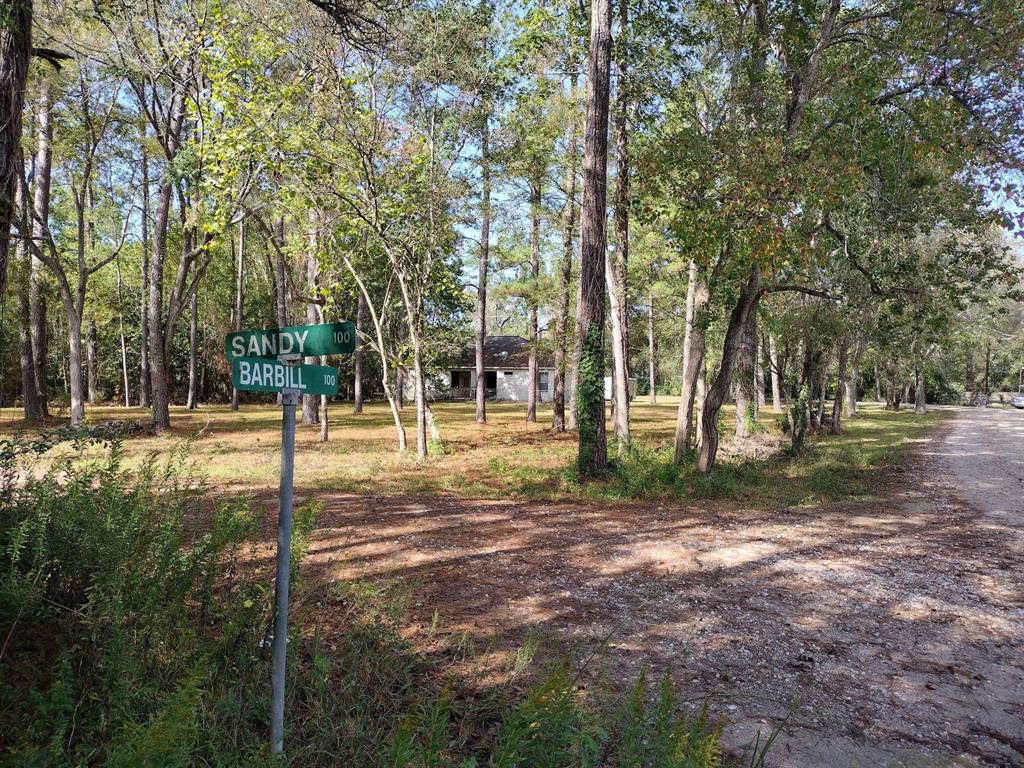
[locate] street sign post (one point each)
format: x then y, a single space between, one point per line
267 361
304 340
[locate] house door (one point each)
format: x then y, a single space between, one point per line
491 383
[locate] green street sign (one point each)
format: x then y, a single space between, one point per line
258 374
305 340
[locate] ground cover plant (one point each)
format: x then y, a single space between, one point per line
135 612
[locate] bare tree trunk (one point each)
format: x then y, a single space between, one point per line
420 392
311 403
144 377
193 353
15 51
532 372
617 262
357 360
75 383
878 386
40 217
29 392
693 360
773 358
702 393
746 397
92 383
920 405
988 364
239 296
758 377
480 331
577 353
565 273
738 319
324 402
157 361
281 277
593 450
837 405
859 345
652 369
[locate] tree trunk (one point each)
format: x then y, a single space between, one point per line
773 360
357 360
281 277
878 386
746 396
693 360
29 391
593 451
92 382
15 50
988 364
652 370
859 346
969 372
75 383
144 374
160 333
311 403
239 296
532 371
577 353
419 390
738 319
193 353
920 406
619 260
480 330
40 217
841 380
322 416
565 273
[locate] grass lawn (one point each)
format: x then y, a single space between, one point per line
508 458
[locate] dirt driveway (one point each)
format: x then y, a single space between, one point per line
891 633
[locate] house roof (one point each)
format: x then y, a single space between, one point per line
505 352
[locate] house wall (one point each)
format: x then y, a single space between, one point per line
514 388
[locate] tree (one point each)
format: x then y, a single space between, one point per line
593 452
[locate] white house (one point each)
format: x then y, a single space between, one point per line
506 368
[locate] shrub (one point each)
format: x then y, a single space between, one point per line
134 633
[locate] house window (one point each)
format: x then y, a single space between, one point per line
543 382
509 373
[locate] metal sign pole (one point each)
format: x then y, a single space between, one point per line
279 649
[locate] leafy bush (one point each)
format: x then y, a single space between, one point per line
134 623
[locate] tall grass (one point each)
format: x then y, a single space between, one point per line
133 631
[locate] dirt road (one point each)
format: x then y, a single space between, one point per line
891 633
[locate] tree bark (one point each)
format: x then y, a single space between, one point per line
618 261
652 369
15 50
920 405
480 330
719 388
859 346
841 380
558 420
144 373
29 391
123 339
40 217
192 400
160 332
239 296
532 372
92 382
357 360
281 277
773 359
593 451
746 395
693 360
311 403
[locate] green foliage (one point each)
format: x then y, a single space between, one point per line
133 637
799 420
589 398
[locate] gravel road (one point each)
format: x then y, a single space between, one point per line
983 455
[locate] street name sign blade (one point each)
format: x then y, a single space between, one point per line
258 374
305 340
